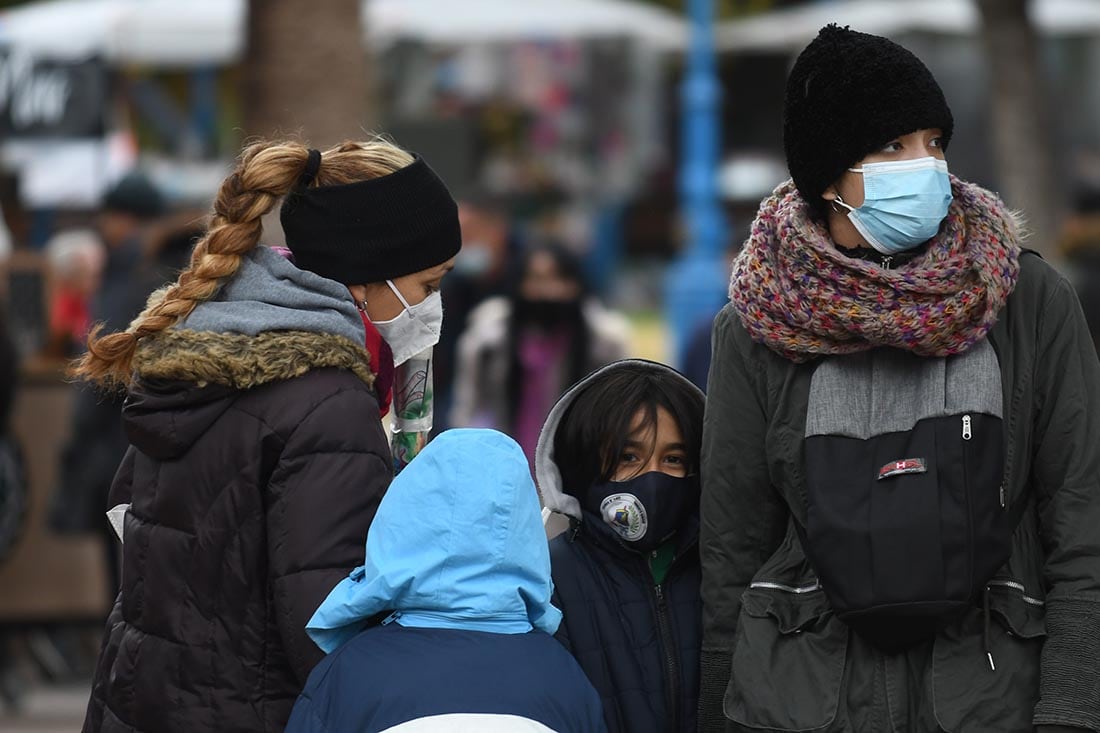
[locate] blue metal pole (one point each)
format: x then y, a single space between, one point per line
204 108
696 284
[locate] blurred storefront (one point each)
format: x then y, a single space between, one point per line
552 103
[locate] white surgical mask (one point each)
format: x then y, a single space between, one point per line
415 329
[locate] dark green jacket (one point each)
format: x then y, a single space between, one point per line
774 655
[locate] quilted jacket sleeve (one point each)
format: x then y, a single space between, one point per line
742 516
324 492
1066 474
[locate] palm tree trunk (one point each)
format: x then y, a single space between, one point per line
305 71
1022 144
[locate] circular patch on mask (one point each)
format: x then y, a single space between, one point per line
626 515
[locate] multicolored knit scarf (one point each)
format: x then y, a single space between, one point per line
801 296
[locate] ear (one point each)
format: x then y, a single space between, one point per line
358 292
829 194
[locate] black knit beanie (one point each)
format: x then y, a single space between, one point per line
848 95
373 230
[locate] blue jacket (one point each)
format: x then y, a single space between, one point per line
638 642
458 565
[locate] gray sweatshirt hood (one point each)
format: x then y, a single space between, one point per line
547 475
269 293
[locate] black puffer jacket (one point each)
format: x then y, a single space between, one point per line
248 507
256 467
638 642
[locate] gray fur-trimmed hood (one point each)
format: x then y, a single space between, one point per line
269 322
547 475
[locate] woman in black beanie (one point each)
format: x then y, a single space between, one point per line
257 458
901 450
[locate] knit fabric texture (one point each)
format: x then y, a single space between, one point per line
848 95
802 296
373 230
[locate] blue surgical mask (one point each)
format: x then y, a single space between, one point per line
474 259
904 203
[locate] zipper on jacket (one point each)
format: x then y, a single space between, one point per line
887 262
967 434
797 590
672 660
1030 600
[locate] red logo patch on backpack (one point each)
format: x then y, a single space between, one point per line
902 467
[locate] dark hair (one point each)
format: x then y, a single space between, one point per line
135 194
595 428
571 268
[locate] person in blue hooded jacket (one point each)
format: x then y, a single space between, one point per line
448 625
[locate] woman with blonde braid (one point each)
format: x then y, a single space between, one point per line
255 384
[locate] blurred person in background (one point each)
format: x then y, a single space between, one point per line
6 245
521 351
696 365
76 259
96 440
13 487
1080 246
255 386
14 497
168 250
901 447
480 273
125 223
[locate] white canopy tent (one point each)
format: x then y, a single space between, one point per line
793 28
192 32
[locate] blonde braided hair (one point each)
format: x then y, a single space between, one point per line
265 172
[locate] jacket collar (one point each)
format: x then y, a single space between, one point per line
242 362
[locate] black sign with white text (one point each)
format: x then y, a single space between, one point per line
42 98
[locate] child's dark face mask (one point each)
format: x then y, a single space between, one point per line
646 510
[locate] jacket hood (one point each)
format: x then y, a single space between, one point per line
187 379
547 474
164 419
457 543
270 322
268 293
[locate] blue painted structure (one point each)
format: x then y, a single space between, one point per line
695 285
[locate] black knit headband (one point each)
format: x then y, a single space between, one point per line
372 230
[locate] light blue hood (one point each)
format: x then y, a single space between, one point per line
457 543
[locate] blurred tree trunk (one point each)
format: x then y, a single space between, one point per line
1022 143
305 71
